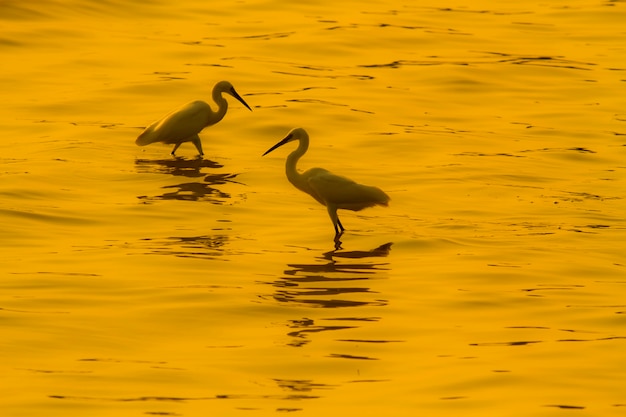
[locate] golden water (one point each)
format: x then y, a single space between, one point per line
134 283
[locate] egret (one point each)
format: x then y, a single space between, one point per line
184 123
333 191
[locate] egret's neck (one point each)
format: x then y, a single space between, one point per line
290 167
222 106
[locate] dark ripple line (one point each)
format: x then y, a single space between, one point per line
593 340
529 342
112 360
565 406
9 310
263 36
546 61
402 62
63 274
357 76
481 11
344 356
318 101
515 343
369 341
183 399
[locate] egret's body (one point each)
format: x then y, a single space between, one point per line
333 191
184 123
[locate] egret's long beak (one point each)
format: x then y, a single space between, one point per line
278 145
238 97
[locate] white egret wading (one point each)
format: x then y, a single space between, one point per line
333 191
184 123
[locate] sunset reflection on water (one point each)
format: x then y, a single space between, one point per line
135 282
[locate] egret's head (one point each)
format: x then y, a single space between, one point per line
294 134
227 87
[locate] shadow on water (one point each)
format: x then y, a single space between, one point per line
207 190
339 279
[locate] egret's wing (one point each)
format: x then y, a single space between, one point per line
182 123
345 193
323 184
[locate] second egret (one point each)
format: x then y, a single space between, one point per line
184 123
333 191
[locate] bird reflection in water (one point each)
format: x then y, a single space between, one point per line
177 166
206 190
198 247
341 281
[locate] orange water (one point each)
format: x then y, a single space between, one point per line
134 283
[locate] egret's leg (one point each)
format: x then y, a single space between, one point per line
332 212
175 147
196 141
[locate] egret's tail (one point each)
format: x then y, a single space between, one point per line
367 196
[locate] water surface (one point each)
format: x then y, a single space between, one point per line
137 283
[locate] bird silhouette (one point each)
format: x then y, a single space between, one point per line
333 191
184 123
